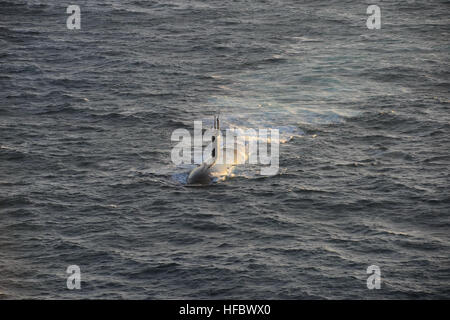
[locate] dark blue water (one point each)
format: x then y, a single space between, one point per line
86 177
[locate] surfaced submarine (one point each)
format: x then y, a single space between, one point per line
208 170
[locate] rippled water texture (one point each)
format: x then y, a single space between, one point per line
86 177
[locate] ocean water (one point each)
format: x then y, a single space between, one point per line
86 176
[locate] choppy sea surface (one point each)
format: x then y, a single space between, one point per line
86 177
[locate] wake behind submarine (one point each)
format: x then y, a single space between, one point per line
208 170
